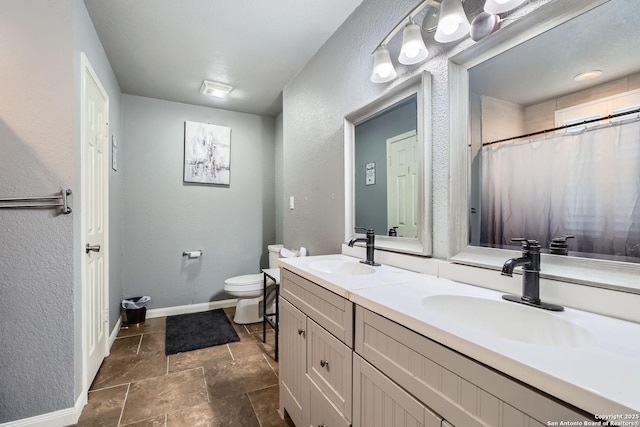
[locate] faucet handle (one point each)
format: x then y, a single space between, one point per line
559 245
365 230
526 243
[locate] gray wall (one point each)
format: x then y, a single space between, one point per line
164 216
336 82
280 203
36 246
371 146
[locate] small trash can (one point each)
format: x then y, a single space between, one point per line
134 316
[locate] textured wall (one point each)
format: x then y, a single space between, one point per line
278 166
336 82
163 216
36 246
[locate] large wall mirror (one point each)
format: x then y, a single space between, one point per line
553 143
388 168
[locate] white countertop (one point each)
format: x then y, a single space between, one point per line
601 377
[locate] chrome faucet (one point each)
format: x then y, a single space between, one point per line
370 240
530 263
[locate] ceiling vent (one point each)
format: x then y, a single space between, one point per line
216 89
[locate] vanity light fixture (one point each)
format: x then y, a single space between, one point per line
215 89
450 22
500 6
383 70
453 23
413 48
588 75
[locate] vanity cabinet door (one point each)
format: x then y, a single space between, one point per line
294 384
329 365
379 402
322 412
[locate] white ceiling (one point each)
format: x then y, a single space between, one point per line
606 38
164 49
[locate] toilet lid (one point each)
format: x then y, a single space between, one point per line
247 279
275 248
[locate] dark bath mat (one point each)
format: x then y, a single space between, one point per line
186 332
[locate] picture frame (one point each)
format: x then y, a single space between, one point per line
370 173
207 153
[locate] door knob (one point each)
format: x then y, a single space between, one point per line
94 248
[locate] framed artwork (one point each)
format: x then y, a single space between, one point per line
370 174
207 153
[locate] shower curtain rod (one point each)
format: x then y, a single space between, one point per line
584 122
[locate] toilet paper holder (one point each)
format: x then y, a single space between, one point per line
192 254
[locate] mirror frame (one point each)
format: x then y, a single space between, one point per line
600 273
420 85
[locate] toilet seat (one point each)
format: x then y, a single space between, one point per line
249 285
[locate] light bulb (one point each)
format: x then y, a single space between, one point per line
453 23
449 24
383 70
501 6
413 49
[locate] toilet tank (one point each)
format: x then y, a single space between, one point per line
274 254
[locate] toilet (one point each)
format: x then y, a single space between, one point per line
248 289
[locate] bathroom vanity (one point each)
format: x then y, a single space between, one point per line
383 346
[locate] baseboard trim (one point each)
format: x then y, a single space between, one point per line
114 334
191 308
61 418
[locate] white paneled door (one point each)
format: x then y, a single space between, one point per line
94 193
402 184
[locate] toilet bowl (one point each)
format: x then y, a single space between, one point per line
248 289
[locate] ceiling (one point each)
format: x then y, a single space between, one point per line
606 38
164 49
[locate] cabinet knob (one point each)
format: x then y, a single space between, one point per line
322 425
324 363
301 332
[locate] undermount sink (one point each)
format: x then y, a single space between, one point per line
508 320
341 267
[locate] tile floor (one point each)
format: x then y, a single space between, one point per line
224 386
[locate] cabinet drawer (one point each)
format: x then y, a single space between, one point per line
329 365
322 412
329 310
379 402
463 391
